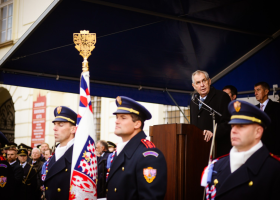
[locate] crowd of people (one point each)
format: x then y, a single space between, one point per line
246 138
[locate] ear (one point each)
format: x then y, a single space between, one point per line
193 86
73 129
266 91
137 124
259 132
234 97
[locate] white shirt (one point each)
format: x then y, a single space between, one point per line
264 104
12 162
23 165
202 97
239 158
120 147
60 151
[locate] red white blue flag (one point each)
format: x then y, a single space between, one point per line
84 162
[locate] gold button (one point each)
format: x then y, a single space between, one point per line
109 169
66 170
47 171
144 140
115 189
58 189
250 183
216 182
272 154
123 168
47 188
106 190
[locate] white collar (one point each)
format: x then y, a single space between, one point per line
13 162
102 154
23 165
60 151
202 97
239 158
265 102
120 147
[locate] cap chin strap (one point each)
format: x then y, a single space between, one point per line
68 119
253 119
129 109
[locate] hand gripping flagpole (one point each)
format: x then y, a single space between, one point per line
84 163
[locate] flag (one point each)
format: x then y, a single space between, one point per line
84 162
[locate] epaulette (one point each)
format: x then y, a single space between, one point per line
274 156
221 157
148 143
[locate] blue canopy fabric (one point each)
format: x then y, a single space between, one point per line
141 54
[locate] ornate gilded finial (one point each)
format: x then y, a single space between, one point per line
216 182
237 106
119 100
84 42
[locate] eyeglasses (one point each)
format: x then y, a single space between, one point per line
204 81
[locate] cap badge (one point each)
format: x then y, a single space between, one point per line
237 106
59 109
119 100
149 174
22 151
3 181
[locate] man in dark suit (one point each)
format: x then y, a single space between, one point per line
216 99
17 170
249 171
271 136
138 169
102 149
7 181
58 170
29 182
231 91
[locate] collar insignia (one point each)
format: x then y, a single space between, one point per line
237 106
119 100
59 109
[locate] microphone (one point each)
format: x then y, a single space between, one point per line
194 96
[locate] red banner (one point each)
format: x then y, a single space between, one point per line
38 121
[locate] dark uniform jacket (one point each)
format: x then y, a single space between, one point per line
271 135
57 182
102 170
7 180
38 168
18 174
133 169
29 183
257 179
218 100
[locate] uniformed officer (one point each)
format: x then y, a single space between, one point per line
58 168
249 171
29 181
138 169
7 180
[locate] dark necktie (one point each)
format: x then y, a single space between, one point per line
200 104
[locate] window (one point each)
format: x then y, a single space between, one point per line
174 115
6 14
96 109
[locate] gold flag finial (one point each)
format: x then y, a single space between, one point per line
84 43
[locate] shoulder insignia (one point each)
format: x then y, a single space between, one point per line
3 165
149 174
148 143
150 153
274 156
3 181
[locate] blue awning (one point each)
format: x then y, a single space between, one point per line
143 47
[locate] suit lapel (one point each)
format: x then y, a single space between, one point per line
59 165
268 106
209 97
127 151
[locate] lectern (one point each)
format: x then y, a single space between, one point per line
186 154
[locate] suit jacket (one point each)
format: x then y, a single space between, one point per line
29 183
57 182
271 135
18 174
102 170
133 169
218 100
7 180
258 178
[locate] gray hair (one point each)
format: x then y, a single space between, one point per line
36 149
198 72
